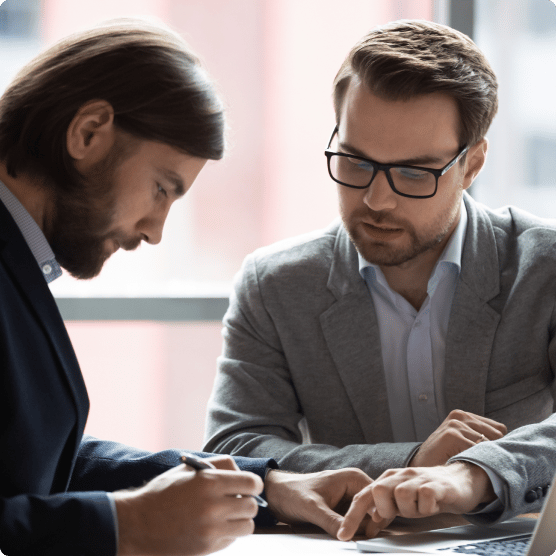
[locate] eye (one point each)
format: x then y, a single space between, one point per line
411 173
361 164
161 189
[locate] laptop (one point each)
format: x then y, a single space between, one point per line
519 537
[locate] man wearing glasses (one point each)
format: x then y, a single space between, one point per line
419 325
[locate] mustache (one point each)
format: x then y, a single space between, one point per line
382 219
130 244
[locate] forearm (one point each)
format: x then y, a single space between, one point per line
373 459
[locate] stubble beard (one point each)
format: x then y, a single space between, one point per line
82 223
383 253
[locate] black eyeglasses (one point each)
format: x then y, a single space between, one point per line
415 182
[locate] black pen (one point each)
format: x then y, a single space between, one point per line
199 464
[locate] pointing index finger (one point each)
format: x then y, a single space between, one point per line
362 503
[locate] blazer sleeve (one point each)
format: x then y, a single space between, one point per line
524 460
80 521
57 525
109 466
254 409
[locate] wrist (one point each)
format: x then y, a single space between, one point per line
129 523
478 480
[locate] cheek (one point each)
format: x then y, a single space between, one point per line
350 200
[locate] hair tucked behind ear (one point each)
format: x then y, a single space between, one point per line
149 75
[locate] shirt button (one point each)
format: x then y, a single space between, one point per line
423 397
47 269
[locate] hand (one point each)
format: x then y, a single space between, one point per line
313 497
419 492
459 431
187 512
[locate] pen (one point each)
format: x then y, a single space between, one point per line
199 464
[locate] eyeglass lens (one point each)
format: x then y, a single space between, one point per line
352 171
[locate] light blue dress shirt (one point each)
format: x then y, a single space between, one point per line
413 347
414 342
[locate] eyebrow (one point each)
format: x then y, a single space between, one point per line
174 179
416 161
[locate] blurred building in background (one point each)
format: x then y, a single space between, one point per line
149 376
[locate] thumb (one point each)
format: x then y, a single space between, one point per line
326 519
223 462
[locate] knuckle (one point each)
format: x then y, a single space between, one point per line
457 414
353 473
403 492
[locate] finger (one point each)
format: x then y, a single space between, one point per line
480 423
479 432
372 528
223 462
384 500
238 507
417 498
428 500
326 519
361 504
239 482
236 528
354 480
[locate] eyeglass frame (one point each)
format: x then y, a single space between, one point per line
436 172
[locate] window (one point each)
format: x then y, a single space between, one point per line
19 20
519 39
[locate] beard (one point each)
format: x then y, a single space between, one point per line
390 253
81 226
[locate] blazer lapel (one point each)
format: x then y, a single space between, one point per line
351 331
23 267
473 322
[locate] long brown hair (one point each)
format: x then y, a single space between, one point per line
155 84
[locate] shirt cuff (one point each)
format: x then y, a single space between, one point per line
497 484
115 516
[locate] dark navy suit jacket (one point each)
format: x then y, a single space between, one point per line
53 482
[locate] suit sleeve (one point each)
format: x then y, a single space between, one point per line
109 466
524 459
80 521
57 525
254 409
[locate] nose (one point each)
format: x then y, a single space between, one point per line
152 226
379 195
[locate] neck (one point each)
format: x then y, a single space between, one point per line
411 279
29 192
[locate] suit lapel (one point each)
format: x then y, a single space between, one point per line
27 274
351 331
473 322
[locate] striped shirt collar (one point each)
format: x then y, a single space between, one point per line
32 234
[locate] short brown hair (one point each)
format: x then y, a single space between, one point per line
408 58
155 84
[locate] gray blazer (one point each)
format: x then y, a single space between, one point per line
301 377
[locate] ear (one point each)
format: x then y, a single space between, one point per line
90 134
474 162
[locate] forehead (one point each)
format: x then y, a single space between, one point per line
387 130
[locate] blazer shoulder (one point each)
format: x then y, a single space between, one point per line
524 236
515 222
307 253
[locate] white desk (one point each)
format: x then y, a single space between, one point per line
289 544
